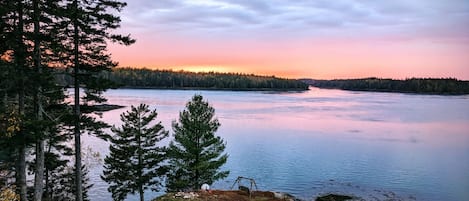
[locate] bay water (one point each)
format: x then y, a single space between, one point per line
377 146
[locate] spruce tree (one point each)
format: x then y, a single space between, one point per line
196 153
135 162
14 87
63 187
35 36
87 27
57 154
25 45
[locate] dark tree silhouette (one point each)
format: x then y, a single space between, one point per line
135 162
86 28
196 153
130 77
449 86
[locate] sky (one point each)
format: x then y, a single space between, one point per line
320 39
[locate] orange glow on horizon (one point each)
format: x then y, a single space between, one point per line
300 58
299 39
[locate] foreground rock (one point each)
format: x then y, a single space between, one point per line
333 197
218 195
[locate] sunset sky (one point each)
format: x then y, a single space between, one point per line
320 39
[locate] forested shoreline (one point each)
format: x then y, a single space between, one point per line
168 79
437 86
40 124
48 47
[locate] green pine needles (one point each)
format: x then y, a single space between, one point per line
135 160
196 153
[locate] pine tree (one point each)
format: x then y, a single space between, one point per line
25 44
58 151
39 106
36 35
135 162
86 29
196 153
19 56
64 184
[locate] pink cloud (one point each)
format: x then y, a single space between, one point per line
393 39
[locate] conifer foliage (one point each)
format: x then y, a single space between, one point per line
87 27
37 36
135 160
196 154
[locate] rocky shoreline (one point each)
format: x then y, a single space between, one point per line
238 195
228 195
221 195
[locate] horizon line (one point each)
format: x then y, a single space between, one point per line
283 77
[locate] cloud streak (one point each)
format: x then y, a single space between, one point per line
340 38
301 18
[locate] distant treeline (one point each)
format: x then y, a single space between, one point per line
167 79
448 86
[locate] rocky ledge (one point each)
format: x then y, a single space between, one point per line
219 195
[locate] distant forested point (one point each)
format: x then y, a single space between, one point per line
440 86
168 79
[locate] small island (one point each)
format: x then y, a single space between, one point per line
436 86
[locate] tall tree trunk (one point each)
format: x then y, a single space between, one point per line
77 132
197 175
140 190
140 153
39 171
5 99
21 173
20 65
47 191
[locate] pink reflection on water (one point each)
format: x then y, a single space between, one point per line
381 139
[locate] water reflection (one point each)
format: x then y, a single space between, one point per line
369 144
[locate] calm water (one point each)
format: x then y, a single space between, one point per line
374 145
